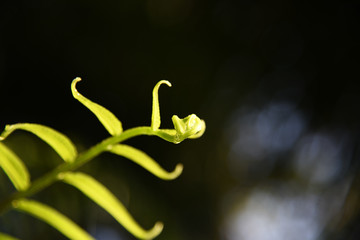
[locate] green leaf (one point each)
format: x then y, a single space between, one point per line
14 168
155 117
190 127
58 141
145 161
104 198
107 118
4 236
54 218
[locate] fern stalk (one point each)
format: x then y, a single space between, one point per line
188 127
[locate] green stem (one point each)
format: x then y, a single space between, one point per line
53 176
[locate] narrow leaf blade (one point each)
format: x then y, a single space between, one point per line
155 117
14 168
53 217
145 161
104 198
58 141
107 118
4 236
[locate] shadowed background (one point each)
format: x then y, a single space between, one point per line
276 82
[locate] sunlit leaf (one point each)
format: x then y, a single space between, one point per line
155 117
190 127
107 118
54 218
4 236
14 168
58 141
145 161
200 132
104 198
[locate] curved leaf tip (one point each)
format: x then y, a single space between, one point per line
107 118
163 82
6 132
155 231
178 170
155 117
73 85
145 161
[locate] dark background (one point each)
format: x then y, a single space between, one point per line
275 81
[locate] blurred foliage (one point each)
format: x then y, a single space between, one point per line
256 66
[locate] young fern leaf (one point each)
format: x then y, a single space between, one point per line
155 117
58 141
14 168
107 118
54 218
4 236
189 127
145 161
104 198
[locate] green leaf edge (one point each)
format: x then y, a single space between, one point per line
58 141
105 199
14 168
155 116
4 236
107 118
144 160
53 217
